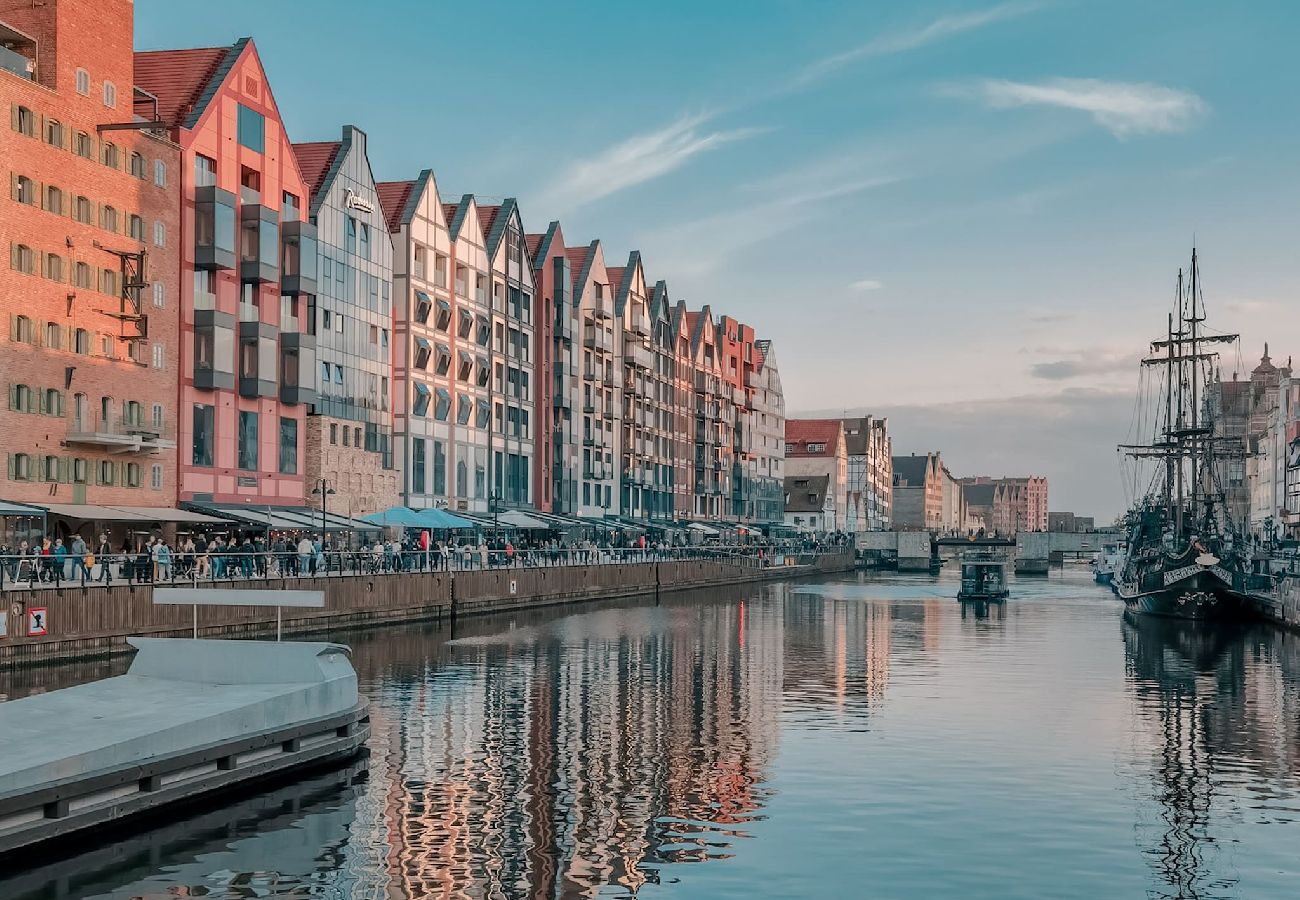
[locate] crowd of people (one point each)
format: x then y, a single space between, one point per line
199 556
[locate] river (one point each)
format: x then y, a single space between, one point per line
862 736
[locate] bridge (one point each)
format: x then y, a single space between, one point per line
1034 550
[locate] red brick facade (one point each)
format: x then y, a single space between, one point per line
88 415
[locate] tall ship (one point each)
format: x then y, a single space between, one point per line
1186 557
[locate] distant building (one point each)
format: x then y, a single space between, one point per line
1007 505
1069 523
870 474
954 503
918 493
809 504
816 447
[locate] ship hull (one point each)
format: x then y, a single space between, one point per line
1205 593
1104 577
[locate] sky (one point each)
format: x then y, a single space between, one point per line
967 216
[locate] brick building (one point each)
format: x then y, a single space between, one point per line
817 447
247 259
90 289
918 492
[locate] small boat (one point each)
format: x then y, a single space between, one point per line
1109 561
983 578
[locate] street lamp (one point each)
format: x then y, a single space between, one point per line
323 490
494 502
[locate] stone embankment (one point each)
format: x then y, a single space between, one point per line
72 622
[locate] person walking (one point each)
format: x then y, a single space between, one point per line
79 553
163 560
304 556
104 556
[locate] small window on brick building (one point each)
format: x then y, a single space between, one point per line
54 200
156 477
81 341
159 296
83 210
54 132
22 259
24 189
111 158
24 121
83 146
110 94
137 166
160 173
54 267
83 82
108 218
135 227
159 234
81 275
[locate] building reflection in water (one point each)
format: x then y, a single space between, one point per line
1221 702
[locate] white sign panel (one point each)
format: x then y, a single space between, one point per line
38 622
166 596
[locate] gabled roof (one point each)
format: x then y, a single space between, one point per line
534 242
394 197
184 81
680 321
545 243
315 159
806 493
802 432
581 260
977 494
487 218
659 304
911 469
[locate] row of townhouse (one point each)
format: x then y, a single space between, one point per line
207 316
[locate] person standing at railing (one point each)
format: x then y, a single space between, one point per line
304 556
79 552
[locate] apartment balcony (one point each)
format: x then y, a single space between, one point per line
214 350
259 243
597 338
641 329
563 326
561 400
637 354
297 367
738 396
258 359
299 258
214 229
121 434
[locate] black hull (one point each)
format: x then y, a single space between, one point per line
1200 596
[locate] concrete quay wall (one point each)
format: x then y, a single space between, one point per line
96 621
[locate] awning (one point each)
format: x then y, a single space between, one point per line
703 529
92 513
285 518
9 508
396 515
440 519
167 514
520 519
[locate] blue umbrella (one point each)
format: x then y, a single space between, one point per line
442 520
396 515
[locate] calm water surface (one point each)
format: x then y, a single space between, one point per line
860 737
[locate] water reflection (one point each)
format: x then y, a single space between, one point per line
795 740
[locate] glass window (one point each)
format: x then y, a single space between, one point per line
83 82
417 465
464 409
422 398
423 306
288 446
156 477
205 171
439 467
110 94
251 127
350 234
160 173
137 167
83 146
203 420
365 241
159 234
442 405
247 438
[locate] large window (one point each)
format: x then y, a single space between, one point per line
205 171
439 468
251 129
417 465
288 446
248 439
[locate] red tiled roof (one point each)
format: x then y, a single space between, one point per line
486 216
802 432
534 241
393 197
449 212
177 78
314 161
577 259
691 319
616 278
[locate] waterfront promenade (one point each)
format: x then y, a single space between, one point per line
44 621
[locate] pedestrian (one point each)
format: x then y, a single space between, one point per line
79 553
61 559
163 561
304 556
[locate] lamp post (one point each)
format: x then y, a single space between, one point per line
494 502
323 490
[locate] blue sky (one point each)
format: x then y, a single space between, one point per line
966 215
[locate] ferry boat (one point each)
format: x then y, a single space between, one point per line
983 577
1186 558
1109 561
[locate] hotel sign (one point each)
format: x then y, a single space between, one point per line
352 201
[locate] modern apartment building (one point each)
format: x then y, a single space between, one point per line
871 474
599 395
649 399
91 227
556 459
767 435
511 482
247 259
715 420
685 429
737 357
349 430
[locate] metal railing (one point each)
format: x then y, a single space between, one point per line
233 565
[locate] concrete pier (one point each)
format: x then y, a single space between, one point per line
1033 552
189 718
915 550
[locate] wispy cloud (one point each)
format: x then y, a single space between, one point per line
1123 108
911 39
1082 363
866 284
638 159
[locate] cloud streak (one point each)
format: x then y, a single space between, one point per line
866 284
638 159
913 39
1122 108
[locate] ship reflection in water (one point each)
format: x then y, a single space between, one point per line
815 740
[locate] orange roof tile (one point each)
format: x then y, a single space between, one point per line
616 278
177 78
486 216
393 197
314 161
802 432
534 241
